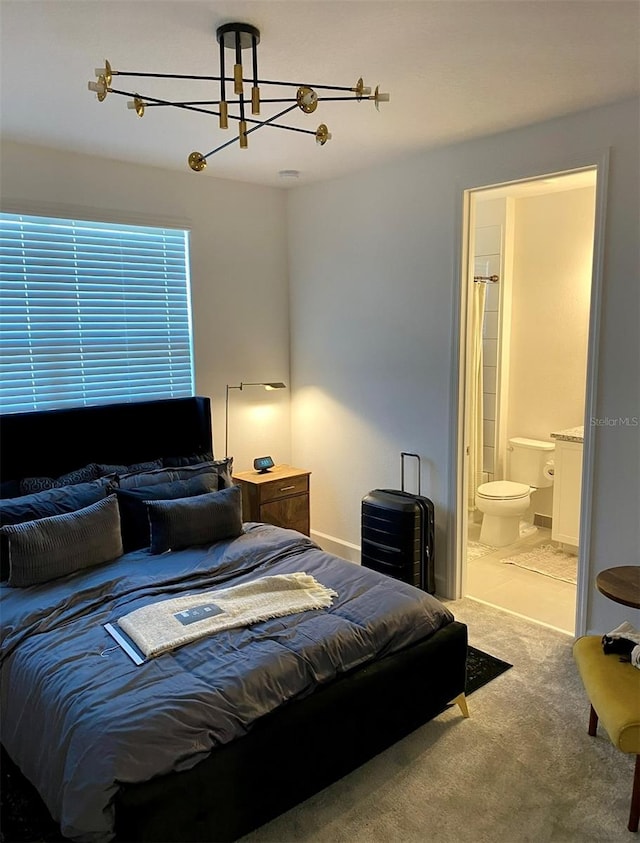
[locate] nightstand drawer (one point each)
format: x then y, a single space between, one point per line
292 513
283 488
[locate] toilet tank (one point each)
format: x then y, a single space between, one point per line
529 458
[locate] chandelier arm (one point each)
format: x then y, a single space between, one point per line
235 102
172 76
151 101
249 131
207 102
190 107
230 79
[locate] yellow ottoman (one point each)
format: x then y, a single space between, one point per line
613 689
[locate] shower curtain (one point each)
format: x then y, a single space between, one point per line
474 413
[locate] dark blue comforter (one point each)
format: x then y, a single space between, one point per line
78 716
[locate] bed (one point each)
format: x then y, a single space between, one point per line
209 739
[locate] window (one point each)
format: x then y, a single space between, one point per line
91 313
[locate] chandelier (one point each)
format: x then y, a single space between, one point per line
238 37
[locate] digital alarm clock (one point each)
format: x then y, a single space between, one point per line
263 464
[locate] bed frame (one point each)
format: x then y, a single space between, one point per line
291 753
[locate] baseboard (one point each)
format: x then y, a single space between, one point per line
351 552
339 547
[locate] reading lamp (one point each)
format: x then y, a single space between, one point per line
241 385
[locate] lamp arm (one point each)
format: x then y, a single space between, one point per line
226 418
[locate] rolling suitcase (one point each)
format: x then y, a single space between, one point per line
398 533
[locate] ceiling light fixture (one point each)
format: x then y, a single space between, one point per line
237 37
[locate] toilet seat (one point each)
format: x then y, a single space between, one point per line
503 490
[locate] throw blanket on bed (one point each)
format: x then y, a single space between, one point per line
171 623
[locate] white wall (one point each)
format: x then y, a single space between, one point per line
374 273
550 287
238 272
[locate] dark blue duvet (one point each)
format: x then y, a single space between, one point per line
78 716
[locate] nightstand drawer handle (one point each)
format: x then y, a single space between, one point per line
286 488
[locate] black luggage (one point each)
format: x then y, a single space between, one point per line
398 533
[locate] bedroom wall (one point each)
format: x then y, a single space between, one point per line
374 269
239 294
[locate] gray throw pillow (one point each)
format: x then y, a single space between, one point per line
53 547
198 520
222 468
44 504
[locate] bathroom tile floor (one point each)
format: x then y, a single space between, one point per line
534 596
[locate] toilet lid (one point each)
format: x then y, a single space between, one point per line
503 490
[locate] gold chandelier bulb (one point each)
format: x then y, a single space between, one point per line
322 134
137 105
379 97
197 162
105 71
361 89
100 88
307 99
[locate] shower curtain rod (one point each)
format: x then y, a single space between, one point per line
486 279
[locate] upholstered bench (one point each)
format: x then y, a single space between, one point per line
613 689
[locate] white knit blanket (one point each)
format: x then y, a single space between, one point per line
171 623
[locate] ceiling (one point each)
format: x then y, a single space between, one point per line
455 69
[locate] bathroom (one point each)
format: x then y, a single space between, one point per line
528 327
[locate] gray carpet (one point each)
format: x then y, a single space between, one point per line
522 768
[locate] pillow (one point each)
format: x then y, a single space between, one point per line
104 469
177 462
31 485
134 520
45 504
53 547
222 468
202 519
52 501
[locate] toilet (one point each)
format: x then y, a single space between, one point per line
504 502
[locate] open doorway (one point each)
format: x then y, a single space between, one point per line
525 341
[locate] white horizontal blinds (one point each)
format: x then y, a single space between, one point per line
92 312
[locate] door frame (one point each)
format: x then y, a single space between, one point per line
458 534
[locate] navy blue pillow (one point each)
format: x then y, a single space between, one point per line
203 519
134 519
223 468
44 504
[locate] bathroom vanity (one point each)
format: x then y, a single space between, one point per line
567 485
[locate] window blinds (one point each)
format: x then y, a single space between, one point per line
91 313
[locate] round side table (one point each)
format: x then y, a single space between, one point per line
621 584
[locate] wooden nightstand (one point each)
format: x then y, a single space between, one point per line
279 497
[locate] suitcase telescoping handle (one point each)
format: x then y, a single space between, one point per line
404 454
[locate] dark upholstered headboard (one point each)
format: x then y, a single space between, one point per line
53 442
